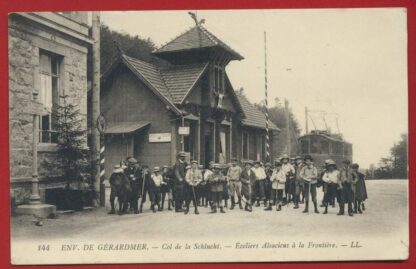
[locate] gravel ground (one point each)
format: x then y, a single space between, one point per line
386 214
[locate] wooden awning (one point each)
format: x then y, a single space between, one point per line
125 127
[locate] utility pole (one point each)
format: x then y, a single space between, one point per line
95 147
306 120
289 146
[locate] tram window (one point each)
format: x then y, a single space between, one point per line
337 148
304 146
315 145
324 147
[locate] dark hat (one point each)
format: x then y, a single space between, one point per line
277 163
355 166
346 161
144 166
182 154
132 160
308 157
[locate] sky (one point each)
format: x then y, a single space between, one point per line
351 63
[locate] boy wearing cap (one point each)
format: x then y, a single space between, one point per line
248 179
330 178
260 174
289 170
217 189
233 175
299 184
193 178
309 174
360 190
278 180
156 183
345 193
166 187
207 177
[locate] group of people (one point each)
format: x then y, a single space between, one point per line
288 180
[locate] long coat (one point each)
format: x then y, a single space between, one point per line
248 183
360 190
120 186
179 172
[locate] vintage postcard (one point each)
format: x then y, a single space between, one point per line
208 136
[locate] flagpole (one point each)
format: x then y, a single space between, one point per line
266 102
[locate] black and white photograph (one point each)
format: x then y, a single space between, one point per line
262 135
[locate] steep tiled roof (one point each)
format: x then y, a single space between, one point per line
180 79
151 73
194 38
254 117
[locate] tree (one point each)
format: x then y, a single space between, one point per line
133 46
72 153
395 165
399 158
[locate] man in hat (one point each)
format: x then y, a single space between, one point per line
179 171
330 178
278 180
309 174
248 179
154 191
289 170
120 188
193 178
144 182
234 181
260 174
299 183
134 174
345 193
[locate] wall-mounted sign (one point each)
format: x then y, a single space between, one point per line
160 137
183 130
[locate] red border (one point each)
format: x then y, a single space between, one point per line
7 6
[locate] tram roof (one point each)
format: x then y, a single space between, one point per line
327 136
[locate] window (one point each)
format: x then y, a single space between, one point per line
245 145
218 79
304 146
48 95
223 147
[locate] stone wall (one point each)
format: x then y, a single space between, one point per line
25 41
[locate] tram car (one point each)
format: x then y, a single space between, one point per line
322 145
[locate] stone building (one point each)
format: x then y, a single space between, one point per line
47 58
190 105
